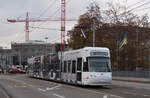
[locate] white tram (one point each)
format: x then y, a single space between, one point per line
86 66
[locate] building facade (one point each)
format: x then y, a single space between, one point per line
22 51
6 58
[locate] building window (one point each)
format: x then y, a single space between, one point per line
33 49
25 49
16 50
49 50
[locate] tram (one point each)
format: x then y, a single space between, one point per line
86 66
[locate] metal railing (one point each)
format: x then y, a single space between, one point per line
137 74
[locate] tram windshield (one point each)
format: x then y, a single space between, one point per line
99 64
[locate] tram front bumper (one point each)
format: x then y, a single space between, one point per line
97 82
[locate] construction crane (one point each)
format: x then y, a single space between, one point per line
27 20
63 23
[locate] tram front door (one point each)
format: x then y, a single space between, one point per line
79 70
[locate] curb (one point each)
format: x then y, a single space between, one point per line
135 81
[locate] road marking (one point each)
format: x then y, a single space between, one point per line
105 96
52 88
17 86
58 95
20 86
95 91
146 95
136 94
41 90
55 87
31 85
72 87
22 82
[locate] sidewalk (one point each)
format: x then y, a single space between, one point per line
132 79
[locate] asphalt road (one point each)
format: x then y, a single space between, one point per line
21 86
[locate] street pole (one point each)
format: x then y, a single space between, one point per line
137 48
93 25
46 44
149 64
149 72
93 32
117 51
19 57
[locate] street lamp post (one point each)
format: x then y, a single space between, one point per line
20 58
137 48
93 17
46 38
149 72
93 32
149 64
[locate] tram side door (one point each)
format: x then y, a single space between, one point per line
79 70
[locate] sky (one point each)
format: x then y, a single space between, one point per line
16 9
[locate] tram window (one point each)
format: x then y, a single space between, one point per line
79 64
99 64
85 66
73 66
62 69
65 66
69 63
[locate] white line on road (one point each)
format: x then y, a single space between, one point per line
41 90
58 95
52 88
146 95
105 96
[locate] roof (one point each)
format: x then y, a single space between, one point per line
93 48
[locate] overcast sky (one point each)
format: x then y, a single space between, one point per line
14 9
